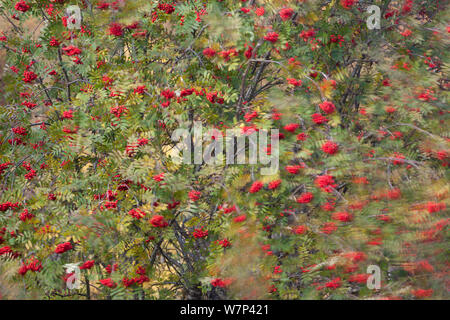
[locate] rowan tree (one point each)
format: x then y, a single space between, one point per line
87 174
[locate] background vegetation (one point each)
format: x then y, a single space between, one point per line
85 135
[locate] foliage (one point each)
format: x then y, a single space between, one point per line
86 172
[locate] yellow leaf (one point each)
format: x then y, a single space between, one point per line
311 18
334 121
